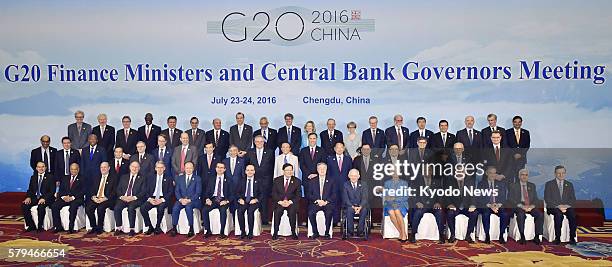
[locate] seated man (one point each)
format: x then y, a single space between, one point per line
159 192
321 196
187 192
524 198
286 193
71 193
218 195
461 204
427 204
355 201
131 192
248 192
493 203
103 194
560 199
40 193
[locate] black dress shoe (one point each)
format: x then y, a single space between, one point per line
118 232
149 231
132 233
208 234
452 239
99 231
469 239
92 231
314 236
412 238
536 240
572 241
243 236
173 232
294 237
223 236
522 241
274 237
250 236
190 233
158 231
557 242
328 237
71 231
441 241
57 230
488 240
39 230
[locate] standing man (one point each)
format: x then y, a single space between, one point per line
471 139
355 201
248 193
241 135
500 157
64 158
196 135
183 154
45 153
145 160
330 137
131 192
188 191
398 134
148 133
420 132
91 158
163 153
103 195
290 134
524 198
285 157
172 133
374 137
219 195
158 194
518 141
127 138
219 137
263 160
105 134
79 131
443 140
207 164
560 200
40 194
321 197
286 195
269 135
71 191
486 132
338 166
308 159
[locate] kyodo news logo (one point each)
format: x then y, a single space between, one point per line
292 25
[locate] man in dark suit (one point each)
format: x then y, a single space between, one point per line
420 154
197 136
248 194
119 165
105 134
493 203
398 134
308 159
338 166
219 137
234 170
207 164
183 154
458 156
158 195
374 137
163 153
40 194
290 134
146 160
131 193
560 199
79 131
486 132
241 135
127 137
471 139
524 199
421 131
518 141
330 137
44 153
462 204
321 197
91 158
71 191
219 194
263 160
148 133
423 203
355 201
500 157
286 194
364 163
188 193
172 133
103 195
269 135
443 140
65 157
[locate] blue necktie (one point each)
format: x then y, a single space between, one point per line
91 153
248 192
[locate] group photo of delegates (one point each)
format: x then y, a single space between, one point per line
202 179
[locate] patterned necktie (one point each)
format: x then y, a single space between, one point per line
525 195
399 138
183 156
218 194
130 185
161 154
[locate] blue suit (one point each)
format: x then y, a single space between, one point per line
355 197
504 215
167 159
192 191
90 164
415 135
314 193
378 145
235 177
339 176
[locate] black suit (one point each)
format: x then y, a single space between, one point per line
436 182
438 143
151 142
308 163
77 190
207 172
37 156
173 141
128 145
147 163
92 208
486 136
263 172
367 175
392 137
222 144
241 193
329 142
554 198
198 141
47 189
227 194
517 203
296 139
521 147
61 168
243 141
462 203
138 190
313 194
472 147
293 193
415 156
503 165
270 140
416 134
167 190
107 141
124 167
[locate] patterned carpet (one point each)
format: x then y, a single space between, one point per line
595 249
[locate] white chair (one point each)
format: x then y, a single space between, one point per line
284 227
166 223
320 217
461 224
47 221
109 221
389 230
215 222
126 222
428 228
79 222
549 228
493 228
183 224
514 233
256 227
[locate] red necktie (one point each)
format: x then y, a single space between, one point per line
71 182
183 156
118 166
526 195
497 153
286 186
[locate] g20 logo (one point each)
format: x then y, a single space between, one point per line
266 16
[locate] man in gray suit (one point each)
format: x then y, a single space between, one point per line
183 153
241 135
79 131
196 135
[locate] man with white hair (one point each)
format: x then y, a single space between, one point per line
524 198
398 134
355 201
470 138
79 131
105 134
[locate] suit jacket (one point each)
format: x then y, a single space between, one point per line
328 143
502 193
391 135
462 137
265 170
47 188
166 158
222 145
151 142
554 199
228 189
415 135
486 136
176 137
238 170
524 143
244 141
167 187
207 172
190 155
367 175
296 138
271 141
437 182
314 191
514 194
415 156
77 190
280 161
129 146
333 172
504 165
60 167
308 164
192 191
240 192
293 193
366 138
463 200
465 158
79 139
123 169
147 164
107 141
139 186
110 189
352 197
36 156
437 142
197 141
90 164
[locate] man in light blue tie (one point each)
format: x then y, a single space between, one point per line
159 193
